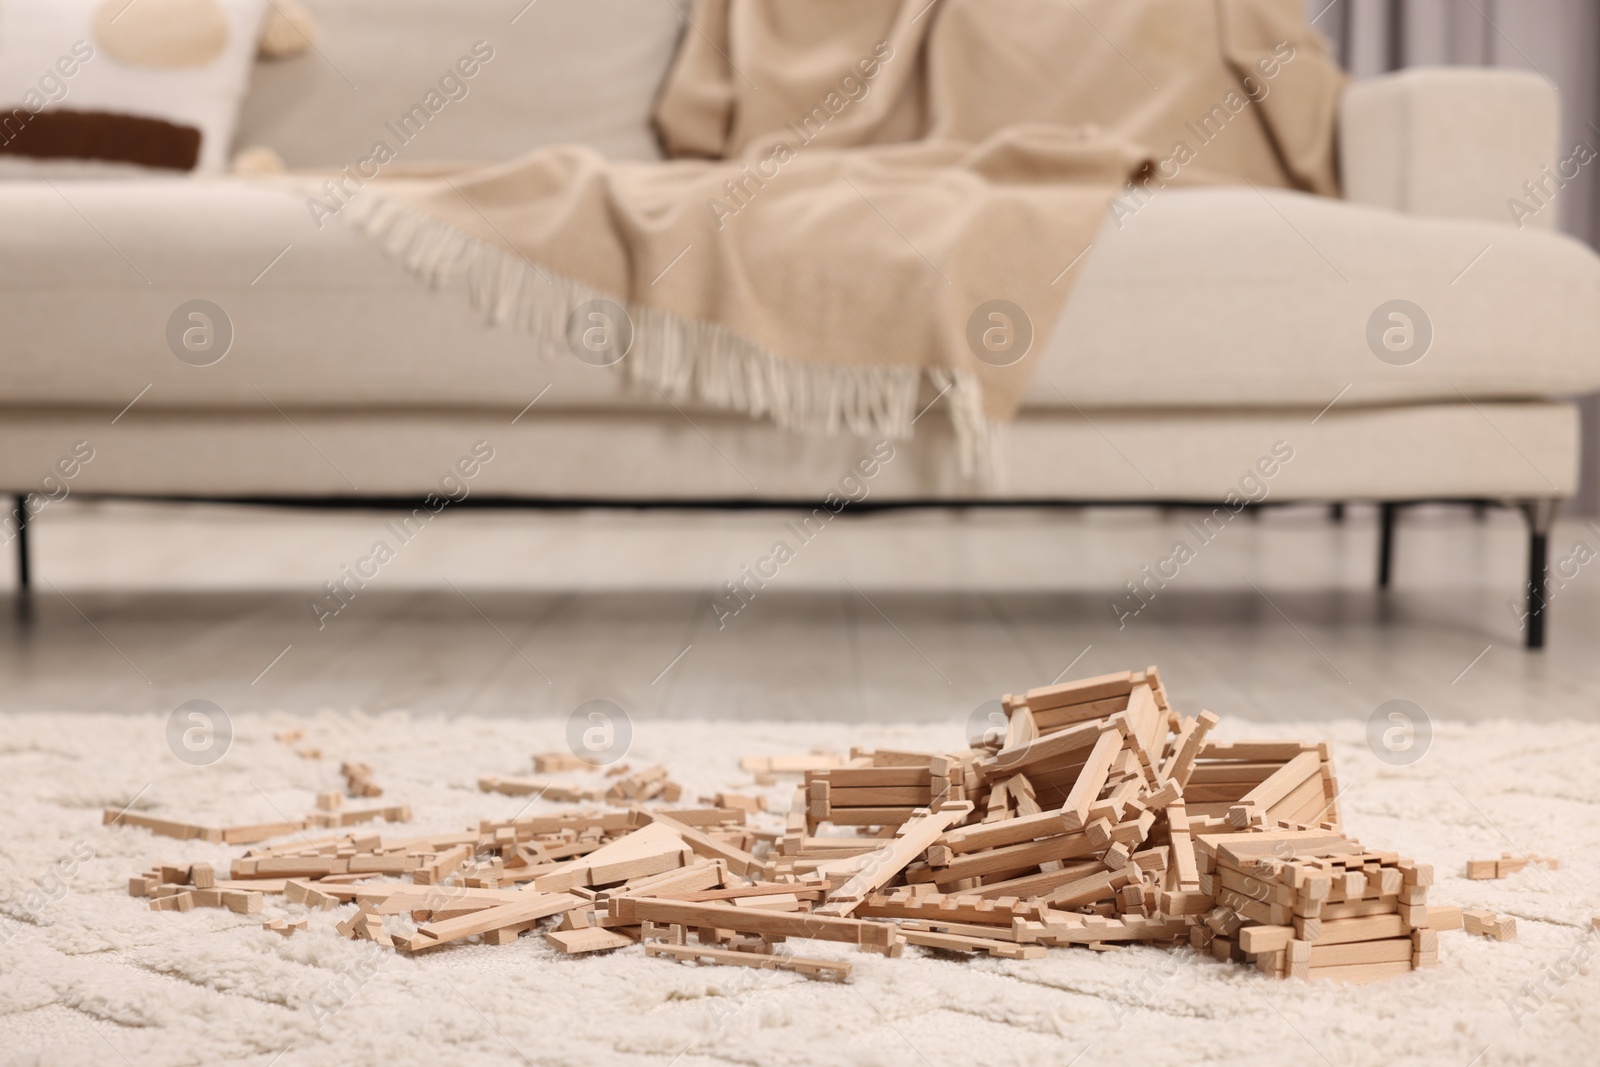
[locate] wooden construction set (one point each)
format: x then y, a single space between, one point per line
1099 818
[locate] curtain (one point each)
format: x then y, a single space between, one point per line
1558 39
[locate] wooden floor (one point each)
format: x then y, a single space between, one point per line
913 616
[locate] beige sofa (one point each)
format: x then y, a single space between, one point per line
1210 327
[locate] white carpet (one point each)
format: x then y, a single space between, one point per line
88 974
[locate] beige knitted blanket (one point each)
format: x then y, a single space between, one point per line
868 202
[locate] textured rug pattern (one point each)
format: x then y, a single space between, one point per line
88 973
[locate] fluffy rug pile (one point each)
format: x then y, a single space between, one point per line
90 973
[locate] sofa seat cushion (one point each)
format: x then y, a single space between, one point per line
1203 298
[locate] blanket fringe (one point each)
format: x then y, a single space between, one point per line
685 358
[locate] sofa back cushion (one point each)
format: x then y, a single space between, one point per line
459 81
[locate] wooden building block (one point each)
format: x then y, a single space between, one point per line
1415 874
246 835
1387 950
162 827
1089 889
537 906
1071 929
962 943
737 860
875 936
1011 831
811 968
358 780
790 764
912 838
1075 811
1040 751
1012 860
1361 973
1487 923
1368 928
1183 761
244 903
556 762
1265 938
592 939
1083 691
1255 804
1297 958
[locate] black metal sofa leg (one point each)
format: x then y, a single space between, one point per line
1541 516
1386 516
24 567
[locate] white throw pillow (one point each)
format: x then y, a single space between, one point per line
105 87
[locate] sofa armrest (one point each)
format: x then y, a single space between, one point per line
1454 142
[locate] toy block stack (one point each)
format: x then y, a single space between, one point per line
1314 904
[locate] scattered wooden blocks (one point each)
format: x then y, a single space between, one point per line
1096 817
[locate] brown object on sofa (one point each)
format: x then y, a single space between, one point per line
104 136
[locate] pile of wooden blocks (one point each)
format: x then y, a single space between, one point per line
1101 817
